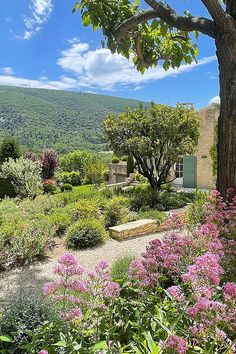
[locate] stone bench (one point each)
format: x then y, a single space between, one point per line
134 229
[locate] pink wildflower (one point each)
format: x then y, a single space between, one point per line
43 352
229 291
48 288
112 289
176 344
176 293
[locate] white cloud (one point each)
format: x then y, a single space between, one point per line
40 13
95 69
215 99
63 84
7 70
100 68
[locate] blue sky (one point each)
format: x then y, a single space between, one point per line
44 45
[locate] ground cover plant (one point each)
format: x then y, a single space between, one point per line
178 298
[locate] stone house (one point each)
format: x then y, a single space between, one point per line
197 171
191 171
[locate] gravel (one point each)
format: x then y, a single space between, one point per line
38 273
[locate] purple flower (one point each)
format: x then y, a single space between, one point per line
176 344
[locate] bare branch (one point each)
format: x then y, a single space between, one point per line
221 18
168 15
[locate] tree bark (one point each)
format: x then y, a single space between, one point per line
226 148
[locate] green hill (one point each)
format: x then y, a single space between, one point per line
57 119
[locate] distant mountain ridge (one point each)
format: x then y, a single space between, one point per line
62 120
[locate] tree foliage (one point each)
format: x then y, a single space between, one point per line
155 138
49 163
159 34
9 149
59 120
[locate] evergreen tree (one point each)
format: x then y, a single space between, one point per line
9 149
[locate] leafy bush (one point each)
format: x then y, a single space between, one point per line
9 149
72 178
6 188
85 209
124 158
60 219
115 212
144 197
157 215
120 268
49 163
115 159
30 156
25 240
22 313
74 161
49 186
24 176
95 171
66 187
85 233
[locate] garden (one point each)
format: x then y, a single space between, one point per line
177 297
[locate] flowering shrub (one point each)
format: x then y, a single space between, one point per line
179 298
78 296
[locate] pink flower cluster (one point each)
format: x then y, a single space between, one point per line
78 294
197 263
175 344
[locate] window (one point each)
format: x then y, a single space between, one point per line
179 169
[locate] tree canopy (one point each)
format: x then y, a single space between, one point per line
155 138
159 34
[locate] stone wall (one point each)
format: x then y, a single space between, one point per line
117 172
208 120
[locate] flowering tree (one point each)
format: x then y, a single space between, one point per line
160 34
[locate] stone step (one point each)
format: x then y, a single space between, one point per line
134 229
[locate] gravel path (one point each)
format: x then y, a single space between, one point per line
38 273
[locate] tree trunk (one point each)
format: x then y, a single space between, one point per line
226 148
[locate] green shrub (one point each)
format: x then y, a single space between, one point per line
26 240
66 187
115 159
9 149
23 312
85 233
60 219
115 212
144 198
196 209
6 188
72 178
157 215
124 158
85 209
24 175
120 267
49 186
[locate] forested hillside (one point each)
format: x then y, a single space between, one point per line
57 119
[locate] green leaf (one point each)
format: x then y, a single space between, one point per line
76 7
166 65
6 339
100 345
61 344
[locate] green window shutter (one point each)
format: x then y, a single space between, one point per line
190 172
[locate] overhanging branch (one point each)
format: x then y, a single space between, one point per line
167 14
